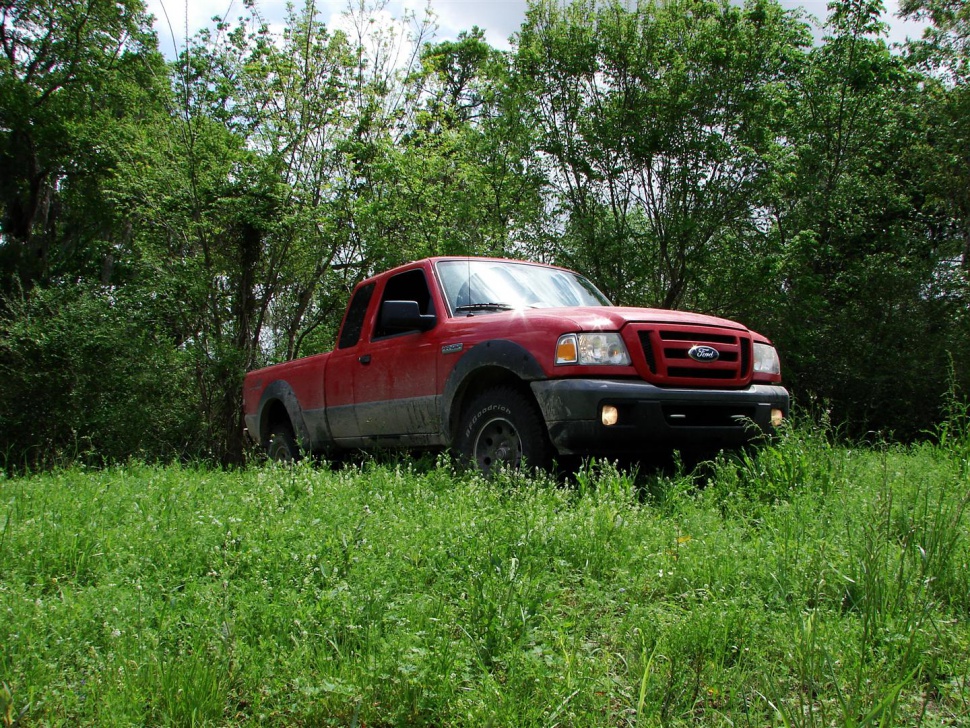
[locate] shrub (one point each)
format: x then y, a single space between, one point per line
88 375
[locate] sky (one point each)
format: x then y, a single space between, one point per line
500 19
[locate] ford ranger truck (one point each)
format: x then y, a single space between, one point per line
509 363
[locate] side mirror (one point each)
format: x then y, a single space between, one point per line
405 316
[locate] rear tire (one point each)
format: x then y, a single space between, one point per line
282 445
502 427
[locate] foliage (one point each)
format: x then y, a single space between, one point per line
805 585
71 74
656 124
90 377
943 58
863 307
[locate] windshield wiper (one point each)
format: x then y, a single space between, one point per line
484 307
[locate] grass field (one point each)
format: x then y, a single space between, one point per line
805 585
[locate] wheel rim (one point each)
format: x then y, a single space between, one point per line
280 450
498 443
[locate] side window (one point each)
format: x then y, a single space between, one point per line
409 286
354 320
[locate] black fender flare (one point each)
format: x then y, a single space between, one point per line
494 354
281 391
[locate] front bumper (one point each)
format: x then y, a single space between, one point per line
652 418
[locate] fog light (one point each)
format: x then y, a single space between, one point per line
777 417
609 415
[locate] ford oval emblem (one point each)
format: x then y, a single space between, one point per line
703 353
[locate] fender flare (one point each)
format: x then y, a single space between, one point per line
494 354
281 391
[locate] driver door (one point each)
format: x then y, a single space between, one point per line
395 390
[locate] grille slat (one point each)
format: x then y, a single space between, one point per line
688 336
726 356
685 373
708 416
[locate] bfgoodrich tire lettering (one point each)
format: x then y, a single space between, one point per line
502 427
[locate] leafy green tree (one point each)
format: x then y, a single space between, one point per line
87 370
945 46
855 265
943 56
255 198
72 73
454 183
207 204
654 124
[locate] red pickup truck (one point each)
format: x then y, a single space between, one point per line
508 362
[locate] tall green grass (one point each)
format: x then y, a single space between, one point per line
804 584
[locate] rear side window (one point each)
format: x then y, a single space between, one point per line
354 320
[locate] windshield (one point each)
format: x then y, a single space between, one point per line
487 286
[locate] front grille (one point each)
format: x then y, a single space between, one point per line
665 350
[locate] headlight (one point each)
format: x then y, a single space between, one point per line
766 359
592 349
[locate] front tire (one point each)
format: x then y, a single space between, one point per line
282 445
502 427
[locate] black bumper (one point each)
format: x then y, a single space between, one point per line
652 418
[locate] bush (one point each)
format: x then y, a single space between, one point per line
87 376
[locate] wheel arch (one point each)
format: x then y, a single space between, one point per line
488 364
279 405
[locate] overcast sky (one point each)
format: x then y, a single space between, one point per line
498 18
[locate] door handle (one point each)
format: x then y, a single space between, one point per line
365 359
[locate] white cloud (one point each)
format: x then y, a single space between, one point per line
500 19
899 29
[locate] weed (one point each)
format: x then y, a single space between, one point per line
8 710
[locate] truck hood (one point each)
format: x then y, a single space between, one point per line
614 318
